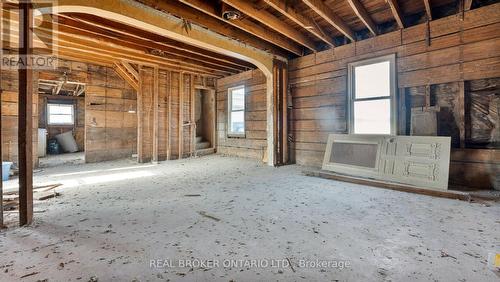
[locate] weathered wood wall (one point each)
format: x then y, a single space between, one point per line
456 50
110 130
110 116
254 144
176 113
9 114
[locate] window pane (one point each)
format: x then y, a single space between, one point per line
372 117
60 109
372 80
238 122
238 99
61 119
60 114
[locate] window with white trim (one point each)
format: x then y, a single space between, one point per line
236 111
372 88
60 114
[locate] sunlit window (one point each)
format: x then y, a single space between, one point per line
60 114
371 96
236 112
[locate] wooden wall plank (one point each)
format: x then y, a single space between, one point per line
254 144
459 50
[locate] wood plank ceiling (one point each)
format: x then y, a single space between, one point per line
293 28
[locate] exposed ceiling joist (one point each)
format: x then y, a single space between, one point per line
328 15
63 87
363 15
272 22
84 30
428 10
119 52
243 30
116 30
396 11
307 23
110 54
83 40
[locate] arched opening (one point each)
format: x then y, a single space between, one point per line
145 18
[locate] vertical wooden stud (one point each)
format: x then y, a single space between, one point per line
155 113
461 110
181 114
140 118
193 117
284 115
169 113
25 119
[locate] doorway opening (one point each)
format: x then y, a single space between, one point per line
61 122
205 121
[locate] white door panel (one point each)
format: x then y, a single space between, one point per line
421 161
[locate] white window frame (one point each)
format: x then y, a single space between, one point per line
393 90
59 123
230 110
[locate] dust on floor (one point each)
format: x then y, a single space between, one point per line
122 221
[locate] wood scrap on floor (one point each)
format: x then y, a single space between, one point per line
45 196
202 213
40 193
450 194
42 188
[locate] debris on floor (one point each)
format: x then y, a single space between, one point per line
202 213
40 193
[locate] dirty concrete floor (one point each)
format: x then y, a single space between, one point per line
113 218
62 159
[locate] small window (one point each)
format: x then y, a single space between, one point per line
371 96
236 112
60 114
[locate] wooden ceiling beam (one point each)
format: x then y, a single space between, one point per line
243 30
93 57
308 24
62 52
116 53
82 57
396 12
72 26
103 60
363 15
272 22
116 30
120 52
428 10
328 15
118 48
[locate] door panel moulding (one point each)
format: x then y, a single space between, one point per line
421 161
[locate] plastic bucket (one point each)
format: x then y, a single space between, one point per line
5 170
